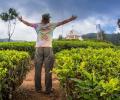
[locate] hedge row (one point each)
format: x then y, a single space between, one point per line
19 46
13 68
89 74
58 45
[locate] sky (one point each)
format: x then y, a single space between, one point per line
89 13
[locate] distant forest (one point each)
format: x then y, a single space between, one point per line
114 38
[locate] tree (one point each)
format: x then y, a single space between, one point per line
10 17
60 37
118 23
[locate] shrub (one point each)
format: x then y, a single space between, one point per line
89 74
19 46
13 68
58 45
68 44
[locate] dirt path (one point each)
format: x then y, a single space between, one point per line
27 92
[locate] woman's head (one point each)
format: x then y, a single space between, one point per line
46 18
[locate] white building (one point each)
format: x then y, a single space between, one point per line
73 35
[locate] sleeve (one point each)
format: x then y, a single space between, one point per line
54 25
34 25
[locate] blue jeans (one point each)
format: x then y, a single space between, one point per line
44 55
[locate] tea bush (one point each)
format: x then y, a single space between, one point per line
89 74
58 45
13 68
19 46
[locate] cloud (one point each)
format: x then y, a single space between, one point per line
64 8
23 32
88 25
3 29
89 12
85 26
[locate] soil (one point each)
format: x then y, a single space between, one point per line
27 91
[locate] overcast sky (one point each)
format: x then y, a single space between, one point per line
89 12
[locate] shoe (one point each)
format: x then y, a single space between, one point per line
39 91
50 93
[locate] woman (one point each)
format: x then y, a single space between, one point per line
44 53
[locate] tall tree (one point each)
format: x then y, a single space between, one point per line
60 37
10 17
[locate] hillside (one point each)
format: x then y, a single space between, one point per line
114 38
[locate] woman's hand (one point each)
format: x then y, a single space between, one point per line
73 17
25 22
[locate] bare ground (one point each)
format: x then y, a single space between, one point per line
27 91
